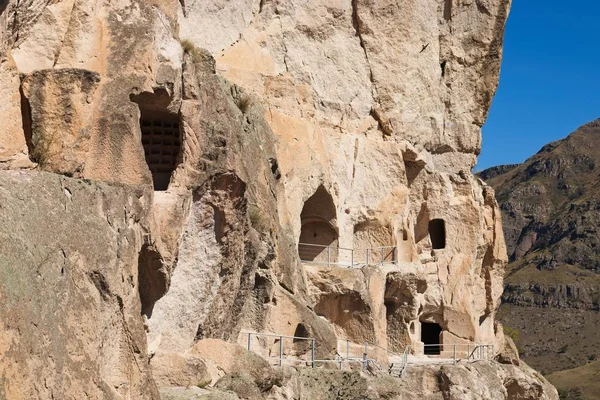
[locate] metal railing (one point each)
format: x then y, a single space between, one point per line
342 256
398 370
283 354
398 362
458 351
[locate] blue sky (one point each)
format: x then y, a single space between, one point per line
550 78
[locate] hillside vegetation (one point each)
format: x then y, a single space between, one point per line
551 212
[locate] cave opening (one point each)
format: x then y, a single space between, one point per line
430 336
318 235
437 233
152 283
161 136
300 332
301 346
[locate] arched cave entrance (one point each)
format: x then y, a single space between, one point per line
161 136
430 336
318 236
301 346
437 233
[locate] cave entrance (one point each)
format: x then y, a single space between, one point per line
430 336
412 166
152 283
300 345
437 233
161 136
318 236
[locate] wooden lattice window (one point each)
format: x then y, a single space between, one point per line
162 145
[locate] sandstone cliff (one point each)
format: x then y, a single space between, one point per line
173 160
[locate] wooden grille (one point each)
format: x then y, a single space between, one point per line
162 144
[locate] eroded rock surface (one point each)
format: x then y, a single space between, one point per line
234 136
68 278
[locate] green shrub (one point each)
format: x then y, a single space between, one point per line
511 333
570 394
563 349
257 219
203 384
42 150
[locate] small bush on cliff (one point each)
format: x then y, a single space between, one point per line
563 349
257 219
244 102
201 58
43 150
191 49
203 384
511 333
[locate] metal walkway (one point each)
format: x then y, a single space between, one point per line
346 257
283 350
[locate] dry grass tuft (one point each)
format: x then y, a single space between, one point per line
192 50
244 102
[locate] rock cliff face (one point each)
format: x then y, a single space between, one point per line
183 157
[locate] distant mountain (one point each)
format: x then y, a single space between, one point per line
551 216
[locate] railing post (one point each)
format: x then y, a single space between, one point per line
352 258
347 349
365 356
329 256
454 352
249 340
367 257
312 353
280 351
468 351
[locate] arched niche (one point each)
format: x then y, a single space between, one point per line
318 236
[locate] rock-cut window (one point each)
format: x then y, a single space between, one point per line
437 233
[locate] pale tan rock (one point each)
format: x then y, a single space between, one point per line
13 145
60 107
232 358
172 369
360 119
224 20
69 317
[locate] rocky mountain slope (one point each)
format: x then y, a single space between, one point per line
551 211
165 165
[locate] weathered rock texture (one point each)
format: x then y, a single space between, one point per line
69 314
234 131
478 380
